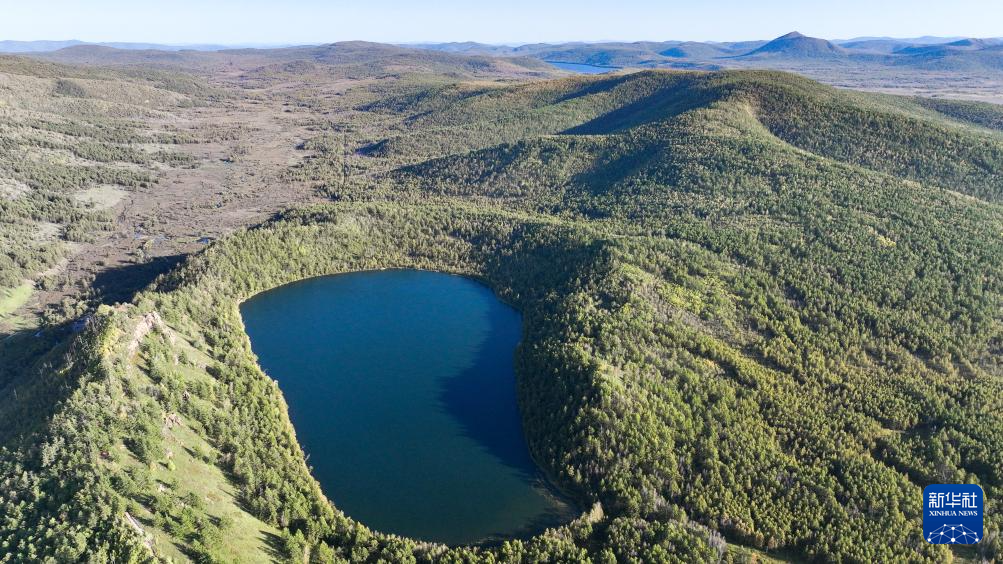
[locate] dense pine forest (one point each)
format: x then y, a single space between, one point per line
760 315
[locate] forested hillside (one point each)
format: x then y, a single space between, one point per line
760 315
857 264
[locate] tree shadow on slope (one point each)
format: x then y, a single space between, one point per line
119 284
673 99
34 380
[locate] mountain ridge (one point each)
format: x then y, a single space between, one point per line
794 44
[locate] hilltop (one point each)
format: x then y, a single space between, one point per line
696 50
796 45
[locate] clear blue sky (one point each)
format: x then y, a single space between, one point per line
495 21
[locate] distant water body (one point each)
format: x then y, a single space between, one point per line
401 387
583 69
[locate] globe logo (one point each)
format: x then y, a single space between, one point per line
953 513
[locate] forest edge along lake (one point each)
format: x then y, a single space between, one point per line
401 387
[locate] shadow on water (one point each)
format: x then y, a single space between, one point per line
482 397
559 513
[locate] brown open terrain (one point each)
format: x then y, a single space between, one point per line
242 142
237 181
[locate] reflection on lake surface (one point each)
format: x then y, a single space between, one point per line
401 388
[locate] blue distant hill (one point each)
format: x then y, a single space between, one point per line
793 51
43 46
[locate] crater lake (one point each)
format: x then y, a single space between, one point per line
401 388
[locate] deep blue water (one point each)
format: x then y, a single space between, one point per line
581 68
401 387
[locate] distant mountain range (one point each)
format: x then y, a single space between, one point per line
44 46
350 58
875 62
926 53
793 41
924 40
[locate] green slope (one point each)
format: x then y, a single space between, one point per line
761 314
898 136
